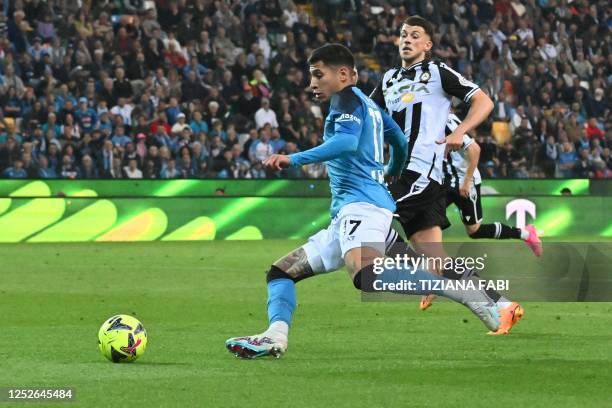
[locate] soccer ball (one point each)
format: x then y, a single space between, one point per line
122 339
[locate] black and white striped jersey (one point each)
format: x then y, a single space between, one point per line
419 99
456 164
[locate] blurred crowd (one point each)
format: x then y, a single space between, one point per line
202 89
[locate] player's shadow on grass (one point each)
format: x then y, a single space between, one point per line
162 363
151 363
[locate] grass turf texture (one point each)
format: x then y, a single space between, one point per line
343 352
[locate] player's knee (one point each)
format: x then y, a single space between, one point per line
277 273
364 279
428 234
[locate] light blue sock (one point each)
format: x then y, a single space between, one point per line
281 300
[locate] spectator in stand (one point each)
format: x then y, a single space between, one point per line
16 171
510 160
72 75
265 115
584 166
87 169
132 171
567 161
44 171
277 143
261 148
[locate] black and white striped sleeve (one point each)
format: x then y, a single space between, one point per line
455 84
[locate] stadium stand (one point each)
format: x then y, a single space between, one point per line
205 89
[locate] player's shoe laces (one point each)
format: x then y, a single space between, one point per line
259 345
487 312
533 241
426 301
509 316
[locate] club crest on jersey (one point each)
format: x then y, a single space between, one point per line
425 76
347 117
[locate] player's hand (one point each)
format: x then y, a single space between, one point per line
464 189
454 141
277 162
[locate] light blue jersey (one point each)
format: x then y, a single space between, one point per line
353 149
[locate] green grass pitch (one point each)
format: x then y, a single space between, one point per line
342 352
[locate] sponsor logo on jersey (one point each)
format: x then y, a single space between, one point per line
408 97
408 92
347 117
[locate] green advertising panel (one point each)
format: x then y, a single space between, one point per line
248 218
243 188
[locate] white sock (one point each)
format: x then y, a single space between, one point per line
524 234
503 302
279 328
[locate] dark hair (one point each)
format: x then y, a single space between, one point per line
332 54
419 21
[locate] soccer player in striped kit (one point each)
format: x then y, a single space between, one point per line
418 96
462 180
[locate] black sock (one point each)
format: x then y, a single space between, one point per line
497 230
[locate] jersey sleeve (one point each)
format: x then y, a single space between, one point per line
332 148
455 84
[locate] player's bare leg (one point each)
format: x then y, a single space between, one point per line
429 242
281 279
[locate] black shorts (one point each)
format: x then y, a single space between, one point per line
421 202
469 207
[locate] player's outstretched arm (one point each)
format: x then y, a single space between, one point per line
398 146
335 147
331 149
348 122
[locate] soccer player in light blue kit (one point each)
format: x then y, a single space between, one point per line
361 208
